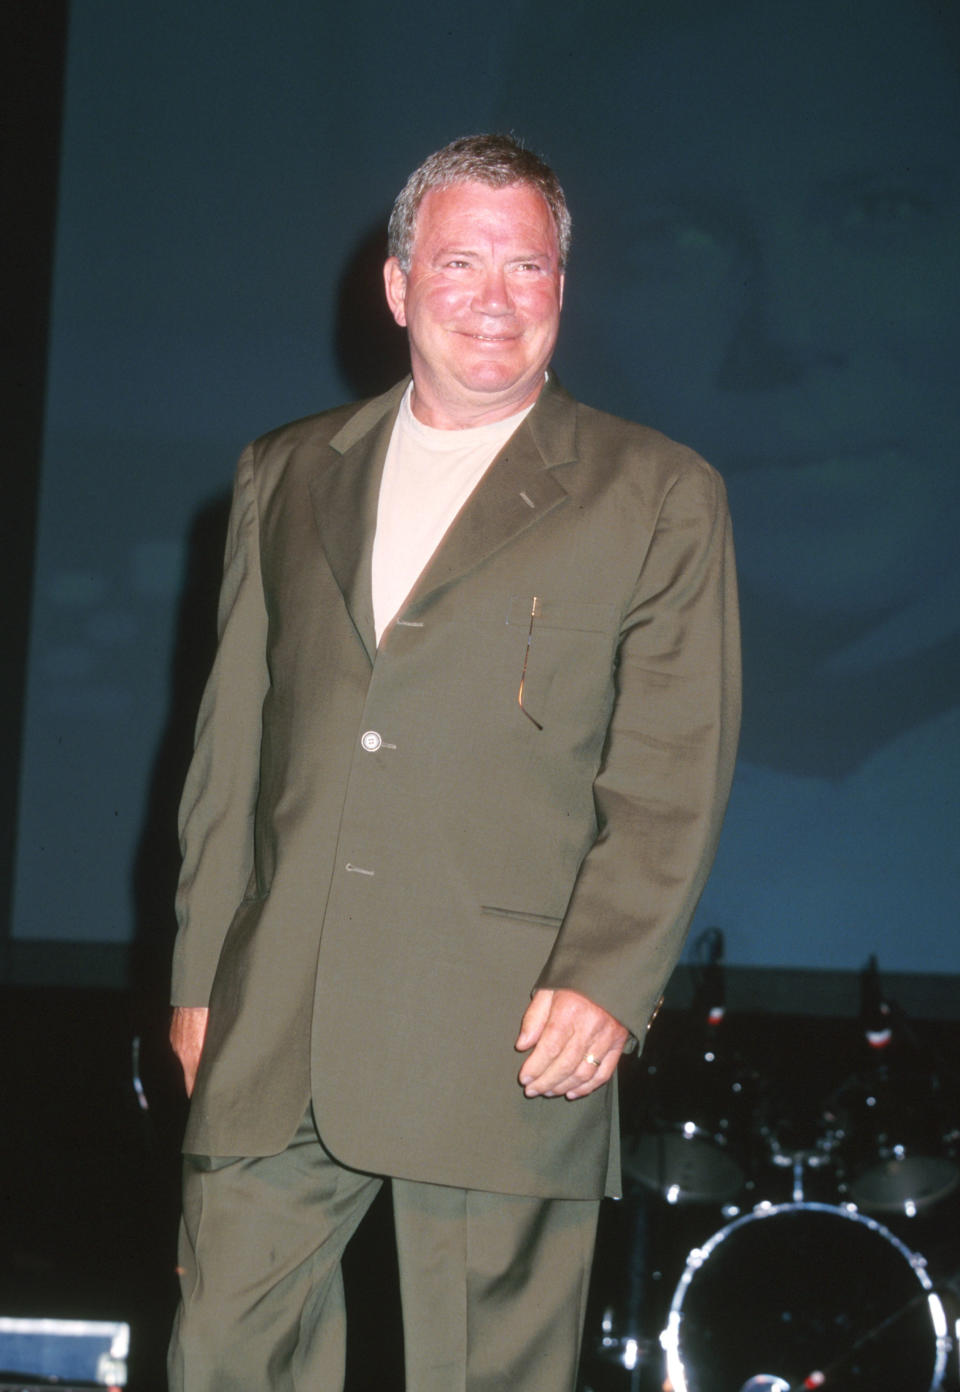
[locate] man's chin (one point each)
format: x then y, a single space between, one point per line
499 379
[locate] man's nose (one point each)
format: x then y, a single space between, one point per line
493 292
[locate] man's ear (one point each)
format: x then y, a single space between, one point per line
395 284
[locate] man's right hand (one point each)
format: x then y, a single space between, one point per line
188 1028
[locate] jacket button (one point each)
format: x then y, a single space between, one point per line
371 741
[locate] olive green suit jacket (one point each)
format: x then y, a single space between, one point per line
384 854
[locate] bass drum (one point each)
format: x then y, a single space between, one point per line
798 1289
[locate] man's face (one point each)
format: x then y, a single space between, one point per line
481 302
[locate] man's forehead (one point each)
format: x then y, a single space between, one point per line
467 201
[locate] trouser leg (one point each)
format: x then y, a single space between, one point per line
261 1291
494 1288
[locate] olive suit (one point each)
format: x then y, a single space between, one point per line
387 849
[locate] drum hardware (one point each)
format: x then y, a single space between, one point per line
619 1361
797 1154
832 1376
621 1351
797 1295
857 1309
897 1136
626 1351
692 1149
800 1162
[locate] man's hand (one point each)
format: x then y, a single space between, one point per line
563 1028
188 1028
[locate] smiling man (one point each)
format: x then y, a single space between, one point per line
480 294
459 776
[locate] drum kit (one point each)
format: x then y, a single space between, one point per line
803 1268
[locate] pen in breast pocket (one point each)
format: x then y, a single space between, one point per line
526 654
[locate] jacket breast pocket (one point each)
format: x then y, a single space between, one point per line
566 650
572 614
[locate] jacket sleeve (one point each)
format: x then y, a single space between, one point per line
220 793
665 777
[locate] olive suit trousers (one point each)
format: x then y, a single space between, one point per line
493 1286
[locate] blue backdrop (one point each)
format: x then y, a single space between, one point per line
765 265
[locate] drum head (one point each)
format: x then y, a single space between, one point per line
684 1167
911 1185
896 1134
792 1290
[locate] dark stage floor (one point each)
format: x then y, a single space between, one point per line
781 1116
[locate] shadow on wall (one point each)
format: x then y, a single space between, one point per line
371 348
158 855
372 355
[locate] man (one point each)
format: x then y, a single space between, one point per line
460 770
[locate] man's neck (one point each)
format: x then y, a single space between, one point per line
441 415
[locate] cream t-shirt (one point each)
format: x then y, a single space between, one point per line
428 476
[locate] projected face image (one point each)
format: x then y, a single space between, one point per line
779 284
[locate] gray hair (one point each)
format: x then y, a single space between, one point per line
496 160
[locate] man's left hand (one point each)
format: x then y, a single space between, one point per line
576 1045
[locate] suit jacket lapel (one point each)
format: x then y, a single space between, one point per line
514 494
344 495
